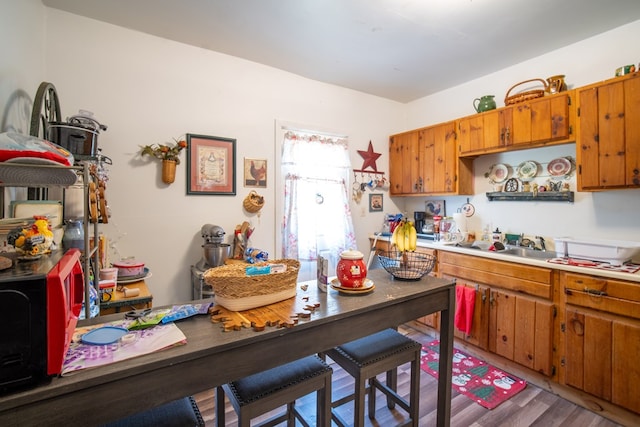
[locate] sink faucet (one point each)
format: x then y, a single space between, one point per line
542 245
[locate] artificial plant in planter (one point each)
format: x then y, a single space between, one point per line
170 156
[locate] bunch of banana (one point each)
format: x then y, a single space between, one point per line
405 236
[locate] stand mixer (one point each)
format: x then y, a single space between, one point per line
215 253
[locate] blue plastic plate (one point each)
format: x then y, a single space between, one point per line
104 335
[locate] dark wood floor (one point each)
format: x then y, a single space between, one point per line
531 407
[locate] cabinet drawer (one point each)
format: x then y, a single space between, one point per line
528 279
612 296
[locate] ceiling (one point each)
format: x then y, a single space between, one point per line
396 49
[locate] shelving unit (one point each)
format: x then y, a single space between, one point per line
541 196
83 170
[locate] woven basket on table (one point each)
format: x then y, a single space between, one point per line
236 291
526 95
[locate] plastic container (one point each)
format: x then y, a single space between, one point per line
129 267
73 235
615 252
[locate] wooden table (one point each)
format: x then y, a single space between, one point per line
119 303
212 357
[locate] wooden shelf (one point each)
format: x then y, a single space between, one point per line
541 196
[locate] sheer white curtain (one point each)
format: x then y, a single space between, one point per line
317 217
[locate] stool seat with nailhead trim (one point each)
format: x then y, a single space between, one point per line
265 391
367 357
179 413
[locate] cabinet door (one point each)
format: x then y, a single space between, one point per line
471 134
404 164
521 329
540 120
479 335
600 356
485 132
608 148
438 159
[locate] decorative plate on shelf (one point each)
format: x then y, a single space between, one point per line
527 170
499 173
559 167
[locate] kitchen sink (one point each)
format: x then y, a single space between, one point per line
524 252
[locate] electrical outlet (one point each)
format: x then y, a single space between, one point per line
362 212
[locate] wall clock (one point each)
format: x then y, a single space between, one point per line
511 185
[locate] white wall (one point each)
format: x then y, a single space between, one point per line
610 214
148 90
21 61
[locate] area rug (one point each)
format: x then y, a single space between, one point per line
485 384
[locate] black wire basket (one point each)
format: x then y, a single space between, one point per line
407 265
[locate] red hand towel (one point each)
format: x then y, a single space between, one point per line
465 304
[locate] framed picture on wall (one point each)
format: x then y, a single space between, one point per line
375 202
434 207
255 173
211 164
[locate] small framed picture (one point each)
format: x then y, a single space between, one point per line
375 202
211 165
255 173
434 207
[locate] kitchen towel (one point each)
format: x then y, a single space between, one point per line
465 304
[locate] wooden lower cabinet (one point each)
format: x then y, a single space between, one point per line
478 335
601 347
514 311
521 329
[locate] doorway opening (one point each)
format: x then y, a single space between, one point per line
314 203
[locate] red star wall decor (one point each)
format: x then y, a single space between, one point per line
369 158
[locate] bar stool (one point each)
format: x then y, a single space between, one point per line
179 413
367 357
265 391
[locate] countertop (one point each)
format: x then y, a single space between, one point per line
633 277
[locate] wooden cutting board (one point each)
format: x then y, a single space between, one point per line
283 314
5 263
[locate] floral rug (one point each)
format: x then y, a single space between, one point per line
485 384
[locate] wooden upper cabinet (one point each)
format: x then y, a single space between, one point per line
540 122
404 163
608 137
425 162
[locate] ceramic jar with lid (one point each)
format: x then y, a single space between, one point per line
351 269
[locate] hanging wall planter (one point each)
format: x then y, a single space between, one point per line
168 171
169 154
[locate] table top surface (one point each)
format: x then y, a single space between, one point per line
195 366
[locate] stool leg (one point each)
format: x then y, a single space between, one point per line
220 422
392 383
323 404
371 394
358 402
414 400
291 414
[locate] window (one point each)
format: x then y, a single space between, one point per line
316 218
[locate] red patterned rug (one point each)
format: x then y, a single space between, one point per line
485 384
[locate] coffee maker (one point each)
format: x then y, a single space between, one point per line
419 220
